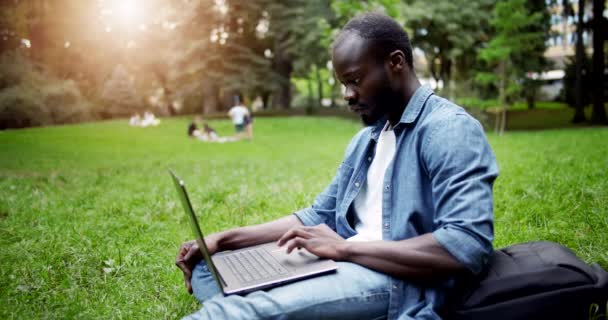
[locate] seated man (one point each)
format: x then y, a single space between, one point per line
410 206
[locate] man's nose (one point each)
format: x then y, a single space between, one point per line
350 94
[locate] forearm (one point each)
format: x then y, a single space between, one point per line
256 234
420 259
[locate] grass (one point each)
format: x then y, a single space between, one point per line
472 102
90 223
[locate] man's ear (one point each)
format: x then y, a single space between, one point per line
396 60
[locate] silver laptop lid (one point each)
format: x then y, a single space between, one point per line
200 238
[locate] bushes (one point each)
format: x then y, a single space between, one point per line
29 96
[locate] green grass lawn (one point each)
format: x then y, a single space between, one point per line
90 222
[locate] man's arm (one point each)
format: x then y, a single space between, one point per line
420 258
256 234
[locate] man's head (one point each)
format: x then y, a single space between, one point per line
372 57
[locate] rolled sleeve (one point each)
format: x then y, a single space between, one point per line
462 169
309 217
464 247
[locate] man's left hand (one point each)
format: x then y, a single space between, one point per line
319 240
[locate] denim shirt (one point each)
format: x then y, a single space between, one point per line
439 181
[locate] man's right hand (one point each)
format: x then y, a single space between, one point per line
189 255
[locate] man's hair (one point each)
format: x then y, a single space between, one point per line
384 34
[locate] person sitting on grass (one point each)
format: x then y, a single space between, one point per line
409 209
207 134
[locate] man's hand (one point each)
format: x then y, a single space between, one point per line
320 240
189 255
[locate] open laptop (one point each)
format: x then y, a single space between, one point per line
253 268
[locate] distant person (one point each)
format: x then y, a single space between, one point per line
192 129
135 120
239 114
208 134
149 120
249 126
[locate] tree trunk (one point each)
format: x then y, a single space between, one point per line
530 99
210 98
503 122
283 66
319 85
311 95
446 77
169 102
450 79
579 113
434 72
283 99
502 99
334 90
265 99
598 116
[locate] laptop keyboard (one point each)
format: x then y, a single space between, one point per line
253 265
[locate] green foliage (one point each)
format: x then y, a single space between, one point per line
119 96
346 9
516 37
174 46
450 34
29 97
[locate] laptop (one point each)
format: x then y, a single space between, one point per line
253 268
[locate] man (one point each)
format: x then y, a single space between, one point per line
409 209
239 115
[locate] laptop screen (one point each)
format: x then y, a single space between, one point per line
183 196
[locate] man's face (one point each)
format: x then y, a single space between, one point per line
367 86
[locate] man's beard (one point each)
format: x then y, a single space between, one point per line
382 103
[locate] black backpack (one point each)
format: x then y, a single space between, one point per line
535 280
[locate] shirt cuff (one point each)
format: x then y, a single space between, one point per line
462 246
308 217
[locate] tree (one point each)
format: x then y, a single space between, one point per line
599 25
513 39
449 33
31 96
533 59
579 114
119 95
302 34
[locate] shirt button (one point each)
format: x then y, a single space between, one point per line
394 286
369 158
357 184
387 187
386 226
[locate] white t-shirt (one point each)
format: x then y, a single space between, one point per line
368 203
238 113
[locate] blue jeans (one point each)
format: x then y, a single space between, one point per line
353 292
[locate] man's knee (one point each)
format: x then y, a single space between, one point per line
203 284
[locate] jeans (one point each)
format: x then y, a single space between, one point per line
353 292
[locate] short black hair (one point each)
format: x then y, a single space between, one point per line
385 34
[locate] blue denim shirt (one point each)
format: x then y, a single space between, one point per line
440 182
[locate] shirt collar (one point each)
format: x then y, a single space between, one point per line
414 106
410 114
